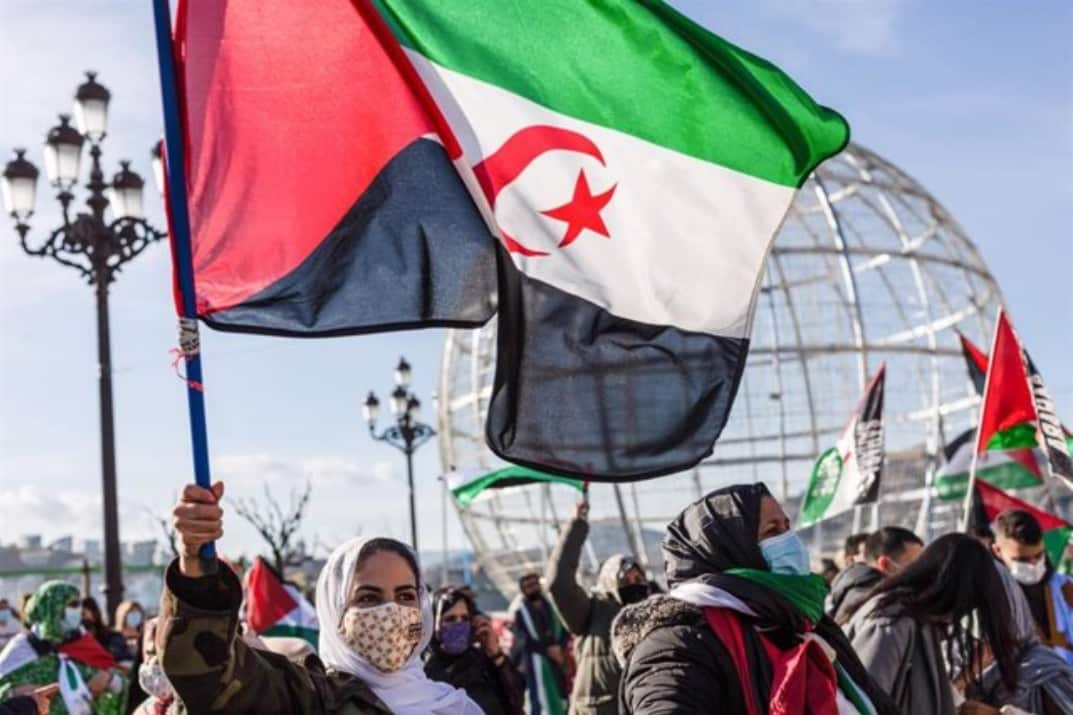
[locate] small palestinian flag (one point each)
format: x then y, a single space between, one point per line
1017 411
1007 469
990 501
468 485
847 475
275 607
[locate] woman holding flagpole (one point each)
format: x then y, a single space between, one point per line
375 622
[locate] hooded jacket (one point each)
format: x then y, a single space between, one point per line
673 661
850 590
905 658
588 616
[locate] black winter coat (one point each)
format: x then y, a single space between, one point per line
675 664
497 690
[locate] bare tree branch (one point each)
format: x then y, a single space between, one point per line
276 527
166 529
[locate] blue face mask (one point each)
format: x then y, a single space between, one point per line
786 554
455 637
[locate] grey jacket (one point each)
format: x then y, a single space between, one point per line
588 616
904 658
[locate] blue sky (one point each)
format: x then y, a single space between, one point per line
974 100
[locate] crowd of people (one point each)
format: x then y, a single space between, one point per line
967 624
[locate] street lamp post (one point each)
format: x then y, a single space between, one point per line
94 244
406 435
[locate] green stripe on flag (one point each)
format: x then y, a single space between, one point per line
506 477
636 66
1016 437
1054 543
1005 476
279 630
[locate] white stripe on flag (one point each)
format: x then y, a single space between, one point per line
688 238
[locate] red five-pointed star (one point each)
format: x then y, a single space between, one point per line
582 212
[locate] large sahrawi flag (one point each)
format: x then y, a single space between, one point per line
847 475
321 201
636 168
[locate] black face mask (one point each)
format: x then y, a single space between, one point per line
535 596
633 593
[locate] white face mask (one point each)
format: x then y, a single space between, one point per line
1027 573
134 619
153 680
72 617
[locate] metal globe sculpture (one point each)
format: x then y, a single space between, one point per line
867 268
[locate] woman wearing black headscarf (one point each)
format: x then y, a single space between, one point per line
742 630
465 653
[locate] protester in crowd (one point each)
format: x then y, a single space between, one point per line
538 648
465 652
10 623
829 570
57 649
112 641
38 702
854 549
588 616
375 621
1019 545
129 618
153 694
24 603
952 590
982 532
742 630
1045 680
888 550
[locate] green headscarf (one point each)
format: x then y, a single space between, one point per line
45 609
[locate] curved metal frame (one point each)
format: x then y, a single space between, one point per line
810 339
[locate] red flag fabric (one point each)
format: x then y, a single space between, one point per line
995 501
88 651
1007 399
266 599
322 197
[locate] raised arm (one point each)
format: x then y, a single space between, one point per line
570 600
210 667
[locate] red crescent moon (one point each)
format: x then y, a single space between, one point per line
504 165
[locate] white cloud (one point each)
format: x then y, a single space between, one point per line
30 509
321 471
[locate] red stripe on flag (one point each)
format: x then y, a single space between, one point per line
266 599
996 501
292 109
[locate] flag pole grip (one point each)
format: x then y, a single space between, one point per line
179 231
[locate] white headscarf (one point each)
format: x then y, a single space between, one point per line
406 692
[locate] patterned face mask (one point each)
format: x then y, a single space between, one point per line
385 635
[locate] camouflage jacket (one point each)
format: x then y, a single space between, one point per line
213 670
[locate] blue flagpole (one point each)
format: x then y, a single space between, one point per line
180 239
